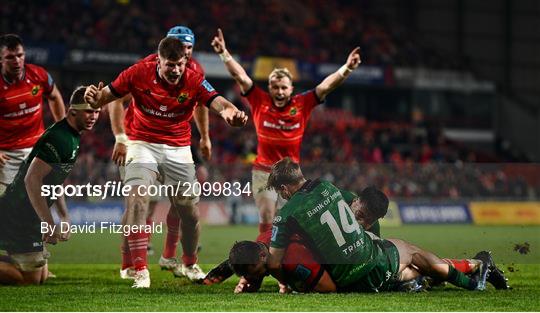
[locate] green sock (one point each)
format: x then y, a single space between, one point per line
459 279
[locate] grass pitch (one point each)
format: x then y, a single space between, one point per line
87 269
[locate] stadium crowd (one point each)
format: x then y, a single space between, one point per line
404 160
290 29
388 153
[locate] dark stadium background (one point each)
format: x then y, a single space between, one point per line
443 111
443 115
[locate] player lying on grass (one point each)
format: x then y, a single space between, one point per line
353 261
371 205
24 208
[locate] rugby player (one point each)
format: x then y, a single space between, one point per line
164 94
280 120
121 126
22 89
353 261
24 208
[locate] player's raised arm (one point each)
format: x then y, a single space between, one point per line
235 69
56 104
98 96
229 112
116 115
335 79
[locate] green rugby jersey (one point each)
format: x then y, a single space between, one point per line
320 214
58 147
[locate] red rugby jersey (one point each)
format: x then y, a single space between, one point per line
279 130
128 117
21 114
161 112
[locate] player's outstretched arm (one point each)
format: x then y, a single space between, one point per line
33 181
229 112
98 96
56 104
335 79
235 69
116 115
201 121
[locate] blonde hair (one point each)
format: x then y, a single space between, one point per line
280 73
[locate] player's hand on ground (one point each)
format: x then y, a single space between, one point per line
354 60
235 118
218 43
206 148
93 93
3 159
119 154
283 288
246 286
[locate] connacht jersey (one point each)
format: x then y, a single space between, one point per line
319 213
58 147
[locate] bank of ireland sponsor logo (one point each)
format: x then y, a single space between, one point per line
163 108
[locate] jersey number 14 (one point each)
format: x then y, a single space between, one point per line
345 214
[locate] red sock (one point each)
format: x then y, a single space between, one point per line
138 243
462 265
149 223
265 233
173 236
126 255
189 259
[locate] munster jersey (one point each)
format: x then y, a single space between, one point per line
161 112
319 213
279 130
20 225
21 115
128 117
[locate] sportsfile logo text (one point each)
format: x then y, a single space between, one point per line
118 189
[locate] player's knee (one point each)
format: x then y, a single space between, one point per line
189 215
267 209
10 275
33 278
185 205
138 205
31 266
